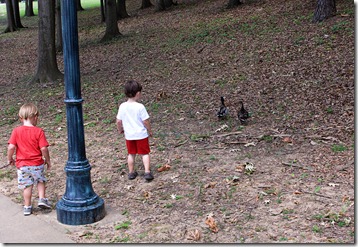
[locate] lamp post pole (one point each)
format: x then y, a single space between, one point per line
79 205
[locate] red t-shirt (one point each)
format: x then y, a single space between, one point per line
28 141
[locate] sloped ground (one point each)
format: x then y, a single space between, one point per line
295 78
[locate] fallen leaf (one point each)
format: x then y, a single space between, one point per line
166 167
212 224
194 235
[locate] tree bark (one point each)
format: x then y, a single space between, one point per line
146 4
233 4
29 8
324 10
111 21
11 27
47 70
121 9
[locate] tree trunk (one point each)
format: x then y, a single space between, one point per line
103 11
111 21
15 4
146 4
324 10
121 9
47 70
59 46
79 6
29 8
233 4
11 27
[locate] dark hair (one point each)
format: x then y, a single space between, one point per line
132 88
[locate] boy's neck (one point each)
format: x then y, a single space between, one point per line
28 122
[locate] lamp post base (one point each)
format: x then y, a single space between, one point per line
81 215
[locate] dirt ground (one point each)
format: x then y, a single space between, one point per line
295 78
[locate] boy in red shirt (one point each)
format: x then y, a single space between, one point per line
30 145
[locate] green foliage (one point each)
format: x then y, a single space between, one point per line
338 148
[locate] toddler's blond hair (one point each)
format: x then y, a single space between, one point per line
27 111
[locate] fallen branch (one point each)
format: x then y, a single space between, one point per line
228 134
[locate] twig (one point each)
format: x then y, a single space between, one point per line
4 166
180 144
290 164
316 194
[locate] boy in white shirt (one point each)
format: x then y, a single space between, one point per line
133 121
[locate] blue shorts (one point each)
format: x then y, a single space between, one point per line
29 175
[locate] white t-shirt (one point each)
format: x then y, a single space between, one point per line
132 115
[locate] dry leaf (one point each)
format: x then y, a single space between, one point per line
212 224
210 185
194 235
166 167
298 192
287 139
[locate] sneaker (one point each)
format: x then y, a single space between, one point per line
148 176
43 203
132 175
27 210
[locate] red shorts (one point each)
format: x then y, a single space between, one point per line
138 146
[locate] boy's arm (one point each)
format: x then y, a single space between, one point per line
46 154
120 126
147 126
10 153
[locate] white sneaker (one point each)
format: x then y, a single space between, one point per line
43 203
27 210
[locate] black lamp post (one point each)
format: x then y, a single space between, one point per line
79 205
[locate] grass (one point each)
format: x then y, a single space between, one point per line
86 4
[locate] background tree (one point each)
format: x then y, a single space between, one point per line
146 4
47 70
79 6
29 8
121 9
324 10
11 27
111 20
163 4
59 46
16 6
233 4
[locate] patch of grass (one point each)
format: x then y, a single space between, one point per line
123 225
316 229
338 148
267 138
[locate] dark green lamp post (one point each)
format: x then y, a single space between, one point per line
80 204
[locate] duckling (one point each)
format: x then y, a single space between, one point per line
223 111
243 115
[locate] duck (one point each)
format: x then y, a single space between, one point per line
243 115
223 111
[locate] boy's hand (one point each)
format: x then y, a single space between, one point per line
11 162
48 165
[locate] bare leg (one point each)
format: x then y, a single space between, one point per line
146 162
131 160
41 189
27 195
